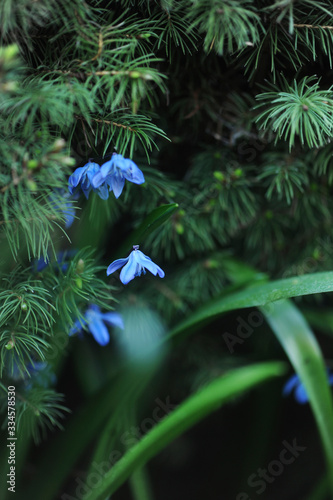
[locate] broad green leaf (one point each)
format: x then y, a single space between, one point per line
258 295
150 223
191 411
305 355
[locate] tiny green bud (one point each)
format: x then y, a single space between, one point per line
24 306
180 228
316 254
10 52
135 74
37 413
59 144
32 164
145 35
78 282
80 266
10 345
31 185
238 172
9 87
219 175
211 264
67 160
181 212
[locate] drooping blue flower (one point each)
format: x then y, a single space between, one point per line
35 373
134 265
61 200
41 375
84 176
94 320
114 172
62 261
294 384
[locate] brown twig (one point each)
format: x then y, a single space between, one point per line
115 124
312 26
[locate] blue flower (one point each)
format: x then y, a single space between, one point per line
115 171
62 262
134 265
84 175
41 375
61 200
294 384
95 321
35 373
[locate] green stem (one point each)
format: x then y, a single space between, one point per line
140 485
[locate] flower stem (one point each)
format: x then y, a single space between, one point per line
140 485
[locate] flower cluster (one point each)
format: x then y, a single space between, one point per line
110 176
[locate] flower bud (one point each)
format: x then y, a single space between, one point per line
80 266
219 176
32 164
10 345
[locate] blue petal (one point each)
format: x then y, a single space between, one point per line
69 214
95 308
103 192
131 270
301 395
116 264
97 180
113 319
99 331
149 264
92 170
76 177
118 161
86 191
40 264
291 383
77 327
133 173
117 184
107 168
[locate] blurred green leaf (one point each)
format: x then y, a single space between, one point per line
305 355
191 411
258 295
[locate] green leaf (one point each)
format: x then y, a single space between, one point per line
191 411
305 355
153 220
258 295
